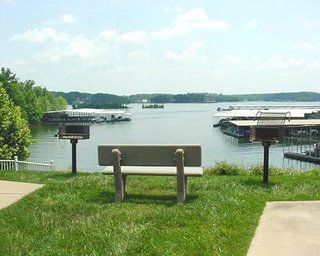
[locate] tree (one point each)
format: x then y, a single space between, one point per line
33 100
15 135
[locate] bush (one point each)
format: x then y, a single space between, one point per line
224 168
15 135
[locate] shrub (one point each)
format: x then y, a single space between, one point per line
224 168
15 135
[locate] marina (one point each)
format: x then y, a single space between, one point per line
299 134
176 123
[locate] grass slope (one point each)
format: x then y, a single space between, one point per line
77 216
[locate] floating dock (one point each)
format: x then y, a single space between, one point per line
87 115
302 157
152 105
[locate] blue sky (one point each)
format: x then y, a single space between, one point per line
127 47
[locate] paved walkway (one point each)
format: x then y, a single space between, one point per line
288 228
11 192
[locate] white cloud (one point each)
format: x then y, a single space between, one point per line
311 23
67 18
278 62
63 19
52 55
108 34
85 48
229 58
137 36
252 24
174 9
125 69
315 64
38 35
305 46
194 52
77 46
139 55
187 22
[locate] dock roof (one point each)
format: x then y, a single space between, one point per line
291 123
295 113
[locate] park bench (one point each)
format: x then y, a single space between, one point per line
182 161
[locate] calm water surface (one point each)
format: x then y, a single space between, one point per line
175 124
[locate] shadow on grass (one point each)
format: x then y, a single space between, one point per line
168 200
257 183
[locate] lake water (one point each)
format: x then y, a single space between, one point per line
175 124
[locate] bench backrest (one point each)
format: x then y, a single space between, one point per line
150 155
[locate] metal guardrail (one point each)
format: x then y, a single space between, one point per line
275 119
17 165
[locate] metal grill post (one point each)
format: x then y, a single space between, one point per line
266 146
74 156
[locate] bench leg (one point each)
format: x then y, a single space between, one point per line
118 180
124 180
119 188
181 181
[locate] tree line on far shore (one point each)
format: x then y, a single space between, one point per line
104 100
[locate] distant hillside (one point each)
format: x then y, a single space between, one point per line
285 96
102 100
97 100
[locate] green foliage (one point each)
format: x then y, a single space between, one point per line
97 100
224 168
288 96
14 130
33 100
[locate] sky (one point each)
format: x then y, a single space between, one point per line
158 46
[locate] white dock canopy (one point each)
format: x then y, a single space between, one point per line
251 113
291 123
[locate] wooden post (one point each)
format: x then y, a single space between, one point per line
16 164
51 165
181 185
74 155
118 181
266 146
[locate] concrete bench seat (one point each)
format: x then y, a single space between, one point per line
182 161
154 170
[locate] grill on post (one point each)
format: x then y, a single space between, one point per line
74 132
268 130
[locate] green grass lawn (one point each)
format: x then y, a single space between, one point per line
77 215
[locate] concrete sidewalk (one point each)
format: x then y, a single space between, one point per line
11 192
288 228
